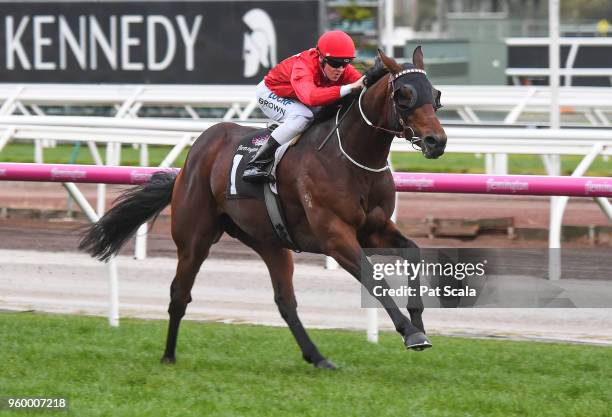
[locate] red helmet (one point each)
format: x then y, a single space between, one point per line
336 44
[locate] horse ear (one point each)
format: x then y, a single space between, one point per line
389 63
417 58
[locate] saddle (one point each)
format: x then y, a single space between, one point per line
237 188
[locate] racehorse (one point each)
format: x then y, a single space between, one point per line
337 200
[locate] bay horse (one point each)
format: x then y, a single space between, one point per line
337 201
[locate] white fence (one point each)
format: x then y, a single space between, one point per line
472 104
168 131
567 70
468 104
181 133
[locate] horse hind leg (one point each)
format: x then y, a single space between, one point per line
190 258
193 238
280 265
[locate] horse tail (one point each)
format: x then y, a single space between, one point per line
132 208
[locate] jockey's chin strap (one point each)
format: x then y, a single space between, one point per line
414 140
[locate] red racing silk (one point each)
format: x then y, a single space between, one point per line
301 77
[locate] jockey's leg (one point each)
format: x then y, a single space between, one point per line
257 168
294 117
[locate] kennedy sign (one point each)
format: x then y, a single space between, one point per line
208 42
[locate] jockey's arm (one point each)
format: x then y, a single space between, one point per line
308 92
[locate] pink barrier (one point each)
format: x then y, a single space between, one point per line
415 182
76 173
504 184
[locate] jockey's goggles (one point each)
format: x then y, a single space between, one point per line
337 62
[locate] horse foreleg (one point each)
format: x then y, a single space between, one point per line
389 237
340 242
280 265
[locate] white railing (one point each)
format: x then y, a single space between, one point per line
473 104
181 133
568 70
169 132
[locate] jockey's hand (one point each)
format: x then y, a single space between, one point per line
352 87
357 85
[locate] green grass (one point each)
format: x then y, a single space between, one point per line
454 162
62 154
517 164
238 370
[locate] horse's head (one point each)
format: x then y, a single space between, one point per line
414 102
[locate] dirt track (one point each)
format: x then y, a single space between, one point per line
239 291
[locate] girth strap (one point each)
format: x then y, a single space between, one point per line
276 217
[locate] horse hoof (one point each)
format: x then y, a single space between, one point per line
325 364
417 341
168 361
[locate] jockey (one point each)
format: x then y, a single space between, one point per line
298 85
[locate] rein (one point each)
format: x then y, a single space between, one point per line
386 167
337 130
337 125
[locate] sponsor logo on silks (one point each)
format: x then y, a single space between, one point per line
259 47
58 173
273 106
247 149
259 140
138 177
282 100
598 187
418 183
513 186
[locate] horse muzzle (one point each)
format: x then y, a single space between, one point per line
433 145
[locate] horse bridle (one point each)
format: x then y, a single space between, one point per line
414 140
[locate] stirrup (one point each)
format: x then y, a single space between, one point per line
258 173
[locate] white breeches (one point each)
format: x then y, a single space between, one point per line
293 116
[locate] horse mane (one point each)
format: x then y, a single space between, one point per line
376 72
372 75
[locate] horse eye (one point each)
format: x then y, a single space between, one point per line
403 102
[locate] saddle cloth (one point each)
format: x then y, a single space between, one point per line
236 187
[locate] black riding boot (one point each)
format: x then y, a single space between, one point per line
257 169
